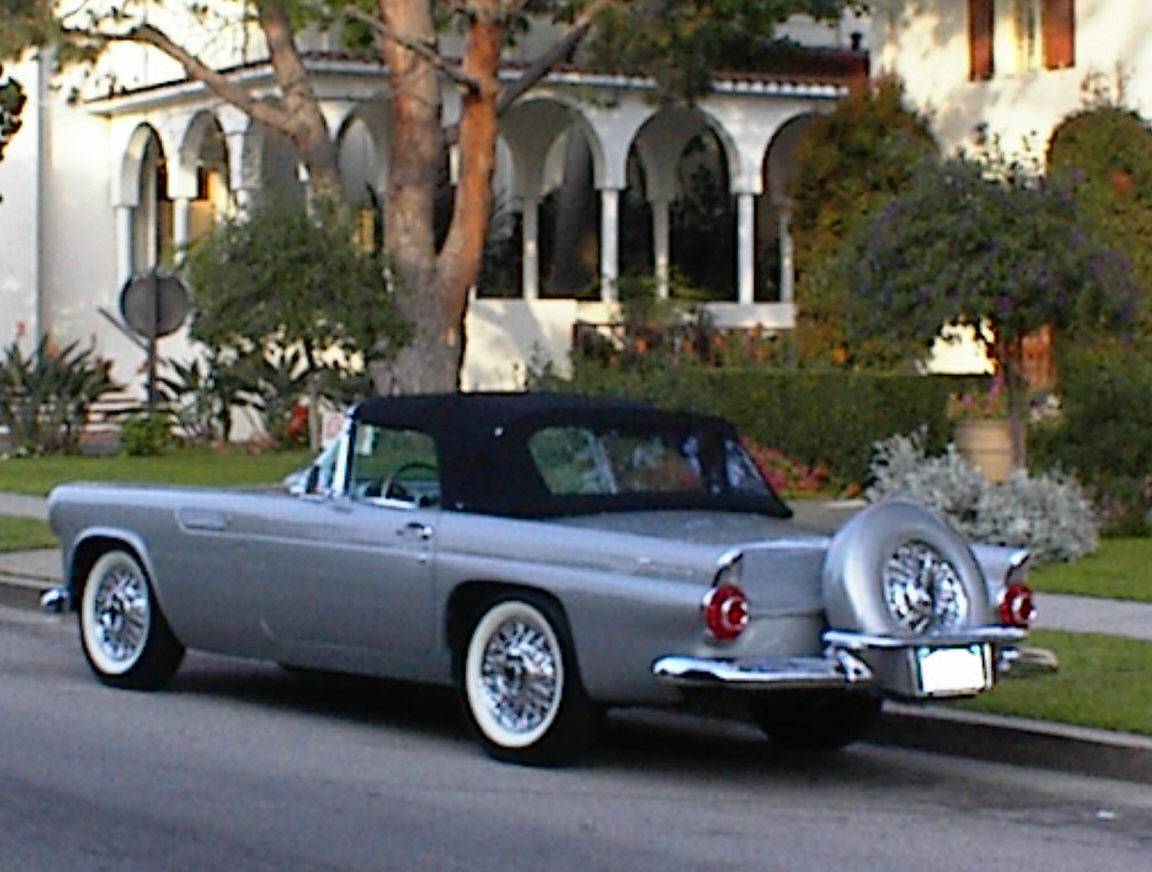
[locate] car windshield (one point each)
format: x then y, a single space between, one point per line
583 460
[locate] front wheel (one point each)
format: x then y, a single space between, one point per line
125 637
521 685
815 720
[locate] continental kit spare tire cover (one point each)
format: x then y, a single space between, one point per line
897 568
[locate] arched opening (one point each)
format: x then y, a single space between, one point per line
359 156
555 210
775 269
205 156
678 215
152 240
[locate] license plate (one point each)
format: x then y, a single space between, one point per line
953 671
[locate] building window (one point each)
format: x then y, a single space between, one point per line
1059 31
1026 18
981 17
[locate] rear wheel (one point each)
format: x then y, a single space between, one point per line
125 637
520 683
815 720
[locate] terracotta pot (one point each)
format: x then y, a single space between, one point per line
986 443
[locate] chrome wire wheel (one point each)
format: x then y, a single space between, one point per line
923 591
116 613
124 634
514 675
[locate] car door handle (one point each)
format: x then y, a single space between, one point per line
415 529
202 519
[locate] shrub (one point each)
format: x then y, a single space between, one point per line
45 397
1104 433
146 435
1050 514
788 477
200 396
829 417
1105 154
850 163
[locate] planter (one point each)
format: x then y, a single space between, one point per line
986 443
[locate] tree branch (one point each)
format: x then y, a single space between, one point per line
219 84
554 54
423 50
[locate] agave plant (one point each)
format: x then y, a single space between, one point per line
200 395
45 397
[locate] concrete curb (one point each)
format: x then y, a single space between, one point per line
933 728
1019 741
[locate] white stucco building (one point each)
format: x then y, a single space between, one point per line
115 171
1020 67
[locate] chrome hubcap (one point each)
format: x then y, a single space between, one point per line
923 591
121 614
518 674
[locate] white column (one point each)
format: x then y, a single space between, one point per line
609 243
123 245
530 258
181 216
787 259
660 246
243 171
745 244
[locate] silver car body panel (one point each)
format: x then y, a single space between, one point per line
366 585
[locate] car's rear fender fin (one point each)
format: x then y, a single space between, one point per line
465 602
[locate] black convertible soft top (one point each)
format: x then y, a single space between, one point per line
485 465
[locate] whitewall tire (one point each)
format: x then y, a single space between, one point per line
125 637
520 683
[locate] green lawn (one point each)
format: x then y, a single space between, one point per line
1103 681
1121 569
197 466
20 534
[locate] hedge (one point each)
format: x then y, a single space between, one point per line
814 416
1105 433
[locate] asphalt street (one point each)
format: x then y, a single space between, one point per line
244 766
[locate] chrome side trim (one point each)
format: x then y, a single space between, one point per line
56 601
863 641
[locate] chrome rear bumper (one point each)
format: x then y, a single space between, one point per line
887 664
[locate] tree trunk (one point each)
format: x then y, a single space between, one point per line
432 289
304 123
1008 354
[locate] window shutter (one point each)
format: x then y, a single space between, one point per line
1059 21
980 34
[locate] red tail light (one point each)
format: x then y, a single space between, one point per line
1016 606
726 612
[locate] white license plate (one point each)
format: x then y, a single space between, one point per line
953 671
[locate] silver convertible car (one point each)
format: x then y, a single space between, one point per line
550 556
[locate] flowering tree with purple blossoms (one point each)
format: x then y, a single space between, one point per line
989 246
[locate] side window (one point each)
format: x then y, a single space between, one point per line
394 466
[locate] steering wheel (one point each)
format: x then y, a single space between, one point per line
393 488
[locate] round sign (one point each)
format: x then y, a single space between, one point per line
154 304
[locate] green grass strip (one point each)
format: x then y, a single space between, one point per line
1103 682
1121 569
192 466
21 534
